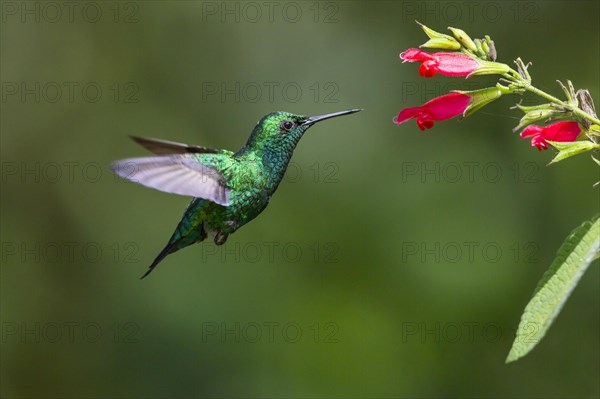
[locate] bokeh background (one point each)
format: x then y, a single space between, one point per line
358 280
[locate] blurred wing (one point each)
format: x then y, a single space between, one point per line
164 147
177 174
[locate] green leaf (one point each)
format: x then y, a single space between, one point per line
530 108
439 40
574 256
568 149
534 116
441 43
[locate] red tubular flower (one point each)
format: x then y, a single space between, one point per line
449 64
560 131
438 109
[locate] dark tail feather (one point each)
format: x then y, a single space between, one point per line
188 232
166 251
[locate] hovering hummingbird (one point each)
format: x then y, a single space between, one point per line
229 188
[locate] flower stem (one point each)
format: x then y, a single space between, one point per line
574 109
570 107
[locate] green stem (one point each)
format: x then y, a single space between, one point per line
571 108
527 86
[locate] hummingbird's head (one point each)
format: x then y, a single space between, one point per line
281 131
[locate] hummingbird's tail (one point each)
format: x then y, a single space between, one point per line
169 248
175 244
190 230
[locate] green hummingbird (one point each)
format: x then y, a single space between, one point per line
229 188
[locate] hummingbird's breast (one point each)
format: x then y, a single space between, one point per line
249 195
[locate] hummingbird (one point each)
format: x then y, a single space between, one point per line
229 189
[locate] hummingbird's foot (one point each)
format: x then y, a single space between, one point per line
221 237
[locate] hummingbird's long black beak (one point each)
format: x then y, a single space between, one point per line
314 119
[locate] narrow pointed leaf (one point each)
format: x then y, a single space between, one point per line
574 256
568 149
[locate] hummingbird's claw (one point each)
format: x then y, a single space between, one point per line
221 238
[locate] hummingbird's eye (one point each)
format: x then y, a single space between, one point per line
287 125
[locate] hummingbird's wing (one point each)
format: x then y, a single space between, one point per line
164 147
177 174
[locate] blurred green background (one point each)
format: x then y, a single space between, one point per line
358 280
